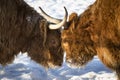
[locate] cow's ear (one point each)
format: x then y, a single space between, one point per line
72 21
73 16
72 26
43 25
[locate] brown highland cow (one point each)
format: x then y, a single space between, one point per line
95 32
23 29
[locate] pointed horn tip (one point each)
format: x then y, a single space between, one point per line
41 9
66 11
64 7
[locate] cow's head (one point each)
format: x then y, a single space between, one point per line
45 44
76 41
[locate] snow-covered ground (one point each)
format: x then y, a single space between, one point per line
23 68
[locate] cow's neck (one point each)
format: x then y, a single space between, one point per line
100 16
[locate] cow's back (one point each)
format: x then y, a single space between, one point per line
17 21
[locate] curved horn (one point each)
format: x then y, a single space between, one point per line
49 18
64 21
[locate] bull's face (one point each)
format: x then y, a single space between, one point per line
46 46
77 43
53 53
53 43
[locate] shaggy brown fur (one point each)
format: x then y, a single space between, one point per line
23 29
95 32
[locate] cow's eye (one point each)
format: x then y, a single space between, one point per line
66 40
53 41
77 42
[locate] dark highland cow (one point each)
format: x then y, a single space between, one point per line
95 32
23 29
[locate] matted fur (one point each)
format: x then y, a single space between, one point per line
95 32
23 29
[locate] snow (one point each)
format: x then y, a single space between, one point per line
23 68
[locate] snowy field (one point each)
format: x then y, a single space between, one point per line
23 68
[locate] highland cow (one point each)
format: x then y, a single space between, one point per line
95 32
23 29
